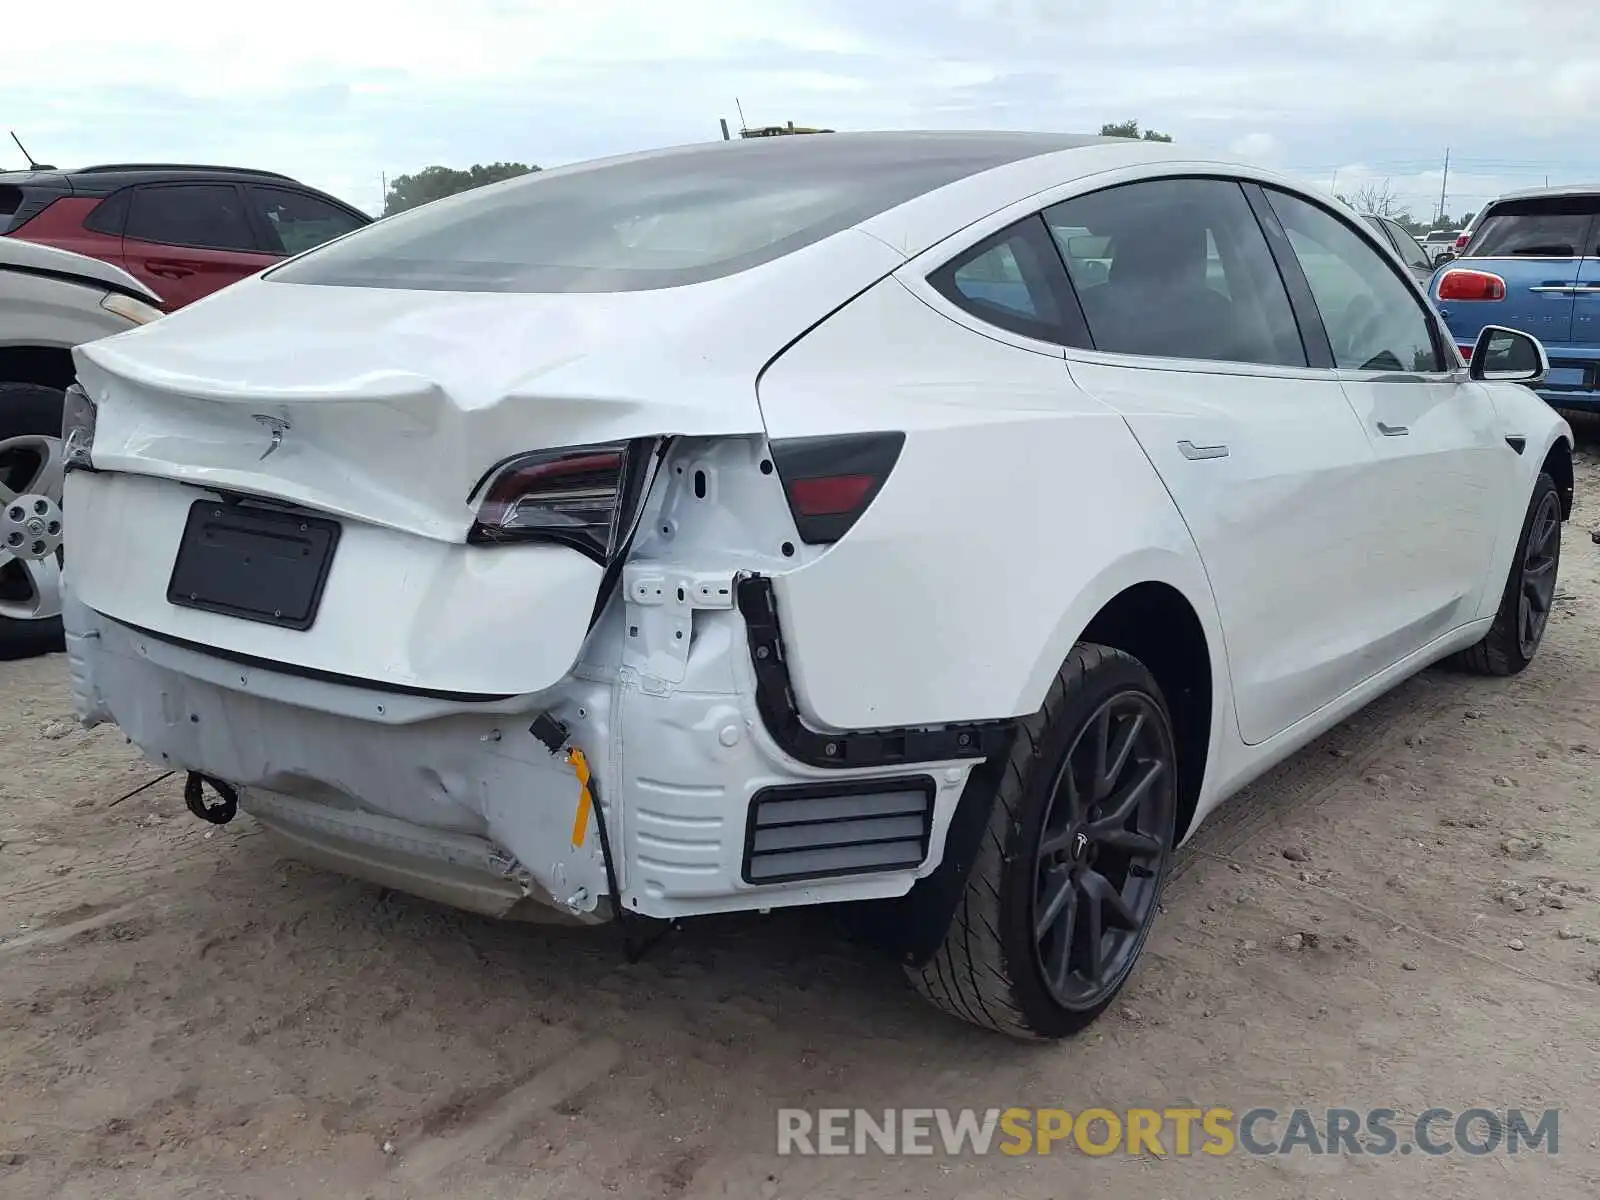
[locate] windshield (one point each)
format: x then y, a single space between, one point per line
656 221
1547 227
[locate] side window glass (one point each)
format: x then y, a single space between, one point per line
1374 319
1012 280
299 222
205 215
111 214
1411 251
1176 268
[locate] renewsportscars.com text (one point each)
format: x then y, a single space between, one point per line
1166 1132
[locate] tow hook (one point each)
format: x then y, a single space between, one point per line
219 811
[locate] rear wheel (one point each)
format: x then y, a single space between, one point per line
30 520
1066 883
1529 594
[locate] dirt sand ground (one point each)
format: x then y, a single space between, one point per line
182 1013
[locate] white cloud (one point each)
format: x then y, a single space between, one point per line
343 91
1258 146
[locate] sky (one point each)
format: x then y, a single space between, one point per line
1344 93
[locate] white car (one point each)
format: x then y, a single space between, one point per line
50 301
1437 242
797 521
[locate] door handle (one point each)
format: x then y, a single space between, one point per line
167 270
1194 453
1392 430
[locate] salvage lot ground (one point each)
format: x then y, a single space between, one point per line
182 1013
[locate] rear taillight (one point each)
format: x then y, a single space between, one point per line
1463 284
830 481
78 416
1461 241
586 497
1466 352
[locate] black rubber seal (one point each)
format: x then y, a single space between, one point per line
849 748
217 812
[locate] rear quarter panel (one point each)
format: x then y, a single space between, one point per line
1018 508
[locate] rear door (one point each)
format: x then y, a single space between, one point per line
186 240
1535 247
1195 343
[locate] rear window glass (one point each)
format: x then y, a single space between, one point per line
1549 227
657 221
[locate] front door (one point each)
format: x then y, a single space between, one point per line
1196 344
1445 471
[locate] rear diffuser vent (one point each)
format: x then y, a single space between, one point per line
815 831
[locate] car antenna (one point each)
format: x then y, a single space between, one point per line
32 166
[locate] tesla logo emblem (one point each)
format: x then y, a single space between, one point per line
276 427
1079 845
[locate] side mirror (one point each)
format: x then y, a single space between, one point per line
1508 356
1445 256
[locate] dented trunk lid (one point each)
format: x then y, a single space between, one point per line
392 404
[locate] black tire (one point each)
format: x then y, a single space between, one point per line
28 408
990 969
1507 648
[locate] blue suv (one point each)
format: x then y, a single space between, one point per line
1533 263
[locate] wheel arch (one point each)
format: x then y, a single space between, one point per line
1150 617
1156 624
1558 465
48 366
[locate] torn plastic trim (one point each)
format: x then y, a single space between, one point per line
853 748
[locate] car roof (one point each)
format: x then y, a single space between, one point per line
1565 189
109 177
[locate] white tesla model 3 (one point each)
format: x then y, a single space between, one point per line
942 521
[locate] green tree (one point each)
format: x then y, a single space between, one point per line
1130 129
435 183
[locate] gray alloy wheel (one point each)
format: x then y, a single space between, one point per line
32 524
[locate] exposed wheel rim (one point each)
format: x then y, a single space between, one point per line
31 527
1102 850
1536 590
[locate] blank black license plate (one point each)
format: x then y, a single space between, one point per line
253 563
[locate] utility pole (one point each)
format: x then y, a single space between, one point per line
383 196
1444 183
1334 182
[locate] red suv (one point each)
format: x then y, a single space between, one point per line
183 231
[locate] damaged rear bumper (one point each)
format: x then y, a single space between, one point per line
457 801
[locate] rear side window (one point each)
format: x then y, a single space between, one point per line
1412 254
208 216
1012 279
1546 227
298 222
10 199
658 221
1177 268
111 214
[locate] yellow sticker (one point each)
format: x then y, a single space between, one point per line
580 819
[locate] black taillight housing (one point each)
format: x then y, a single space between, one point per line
830 481
585 497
